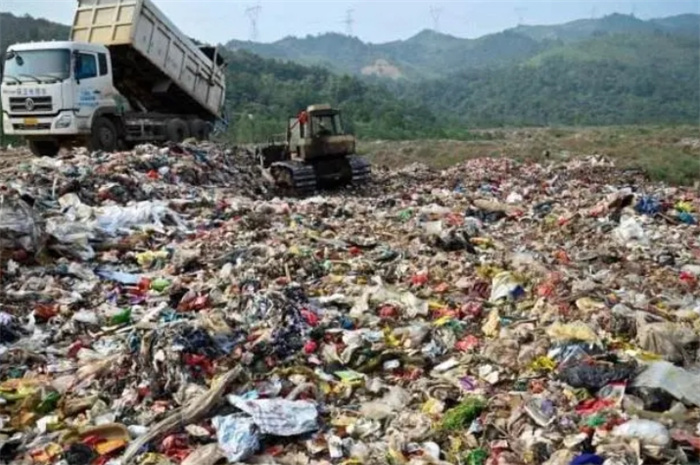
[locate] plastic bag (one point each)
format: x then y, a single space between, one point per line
209 454
648 206
514 198
649 432
504 286
20 227
574 331
629 232
116 218
672 379
237 435
666 339
279 417
412 305
73 238
393 401
119 276
595 376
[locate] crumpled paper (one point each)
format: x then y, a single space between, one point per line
279 417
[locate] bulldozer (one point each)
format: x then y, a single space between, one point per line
316 153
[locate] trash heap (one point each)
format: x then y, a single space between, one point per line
162 306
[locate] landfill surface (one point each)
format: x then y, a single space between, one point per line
167 306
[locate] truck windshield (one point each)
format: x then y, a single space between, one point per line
327 125
37 65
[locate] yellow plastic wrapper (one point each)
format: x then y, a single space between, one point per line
146 259
587 305
487 272
543 364
442 321
684 207
20 388
107 447
152 458
433 407
643 355
48 453
575 331
490 328
390 339
482 242
396 457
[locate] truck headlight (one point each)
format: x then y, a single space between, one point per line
64 121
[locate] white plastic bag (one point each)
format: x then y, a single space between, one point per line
237 435
649 432
629 232
676 381
115 218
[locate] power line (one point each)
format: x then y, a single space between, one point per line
435 12
349 21
253 12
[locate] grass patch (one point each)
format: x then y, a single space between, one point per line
667 153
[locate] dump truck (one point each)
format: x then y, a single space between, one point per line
126 75
316 152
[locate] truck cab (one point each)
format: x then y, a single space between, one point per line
52 92
127 76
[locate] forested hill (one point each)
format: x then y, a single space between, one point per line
15 29
621 79
263 93
430 54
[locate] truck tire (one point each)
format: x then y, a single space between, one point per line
199 129
177 130
44 148
104 135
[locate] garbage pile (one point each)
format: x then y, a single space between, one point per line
162 306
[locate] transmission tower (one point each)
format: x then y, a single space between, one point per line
435 12
253 12
521 13
349 21
594 13
634 10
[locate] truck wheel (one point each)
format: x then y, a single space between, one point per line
104 135
44 148
177 130
199 129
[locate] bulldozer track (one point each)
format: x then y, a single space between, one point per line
295 175
361 170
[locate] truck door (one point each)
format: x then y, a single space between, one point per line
93 83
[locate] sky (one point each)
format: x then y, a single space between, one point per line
376 21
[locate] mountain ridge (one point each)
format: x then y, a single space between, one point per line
431 54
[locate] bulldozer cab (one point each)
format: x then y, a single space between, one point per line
319 132
325 123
